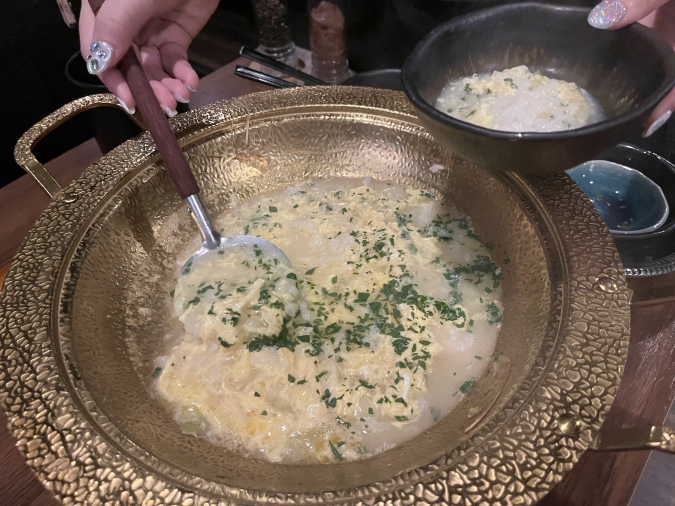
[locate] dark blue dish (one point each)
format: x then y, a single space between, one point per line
647 253
628 201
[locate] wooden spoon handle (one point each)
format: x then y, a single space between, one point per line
155 119
158 125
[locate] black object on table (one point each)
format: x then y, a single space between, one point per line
650 253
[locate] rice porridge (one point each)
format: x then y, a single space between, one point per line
385 321
517 100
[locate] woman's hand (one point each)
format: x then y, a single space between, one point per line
160 32
659 15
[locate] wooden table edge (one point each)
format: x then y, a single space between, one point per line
4 269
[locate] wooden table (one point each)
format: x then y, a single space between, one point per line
645 396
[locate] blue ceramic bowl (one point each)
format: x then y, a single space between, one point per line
628 201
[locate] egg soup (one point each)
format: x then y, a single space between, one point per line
385 321
517 100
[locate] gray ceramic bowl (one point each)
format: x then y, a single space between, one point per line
629 71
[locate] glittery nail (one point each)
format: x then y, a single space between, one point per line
98 57
660 121
606 14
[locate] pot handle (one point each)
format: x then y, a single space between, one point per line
646 438
23 151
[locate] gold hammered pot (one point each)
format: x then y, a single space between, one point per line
85 310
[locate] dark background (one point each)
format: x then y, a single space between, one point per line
36 46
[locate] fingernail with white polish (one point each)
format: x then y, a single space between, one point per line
606 14
129 111
98 57
660 121
168 111
189 88
180 99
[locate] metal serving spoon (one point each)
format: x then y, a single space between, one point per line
212 240
175 161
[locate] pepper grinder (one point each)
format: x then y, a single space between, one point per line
273 30
327 40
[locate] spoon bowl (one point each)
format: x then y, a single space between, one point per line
212 240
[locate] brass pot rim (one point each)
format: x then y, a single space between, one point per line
38 402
